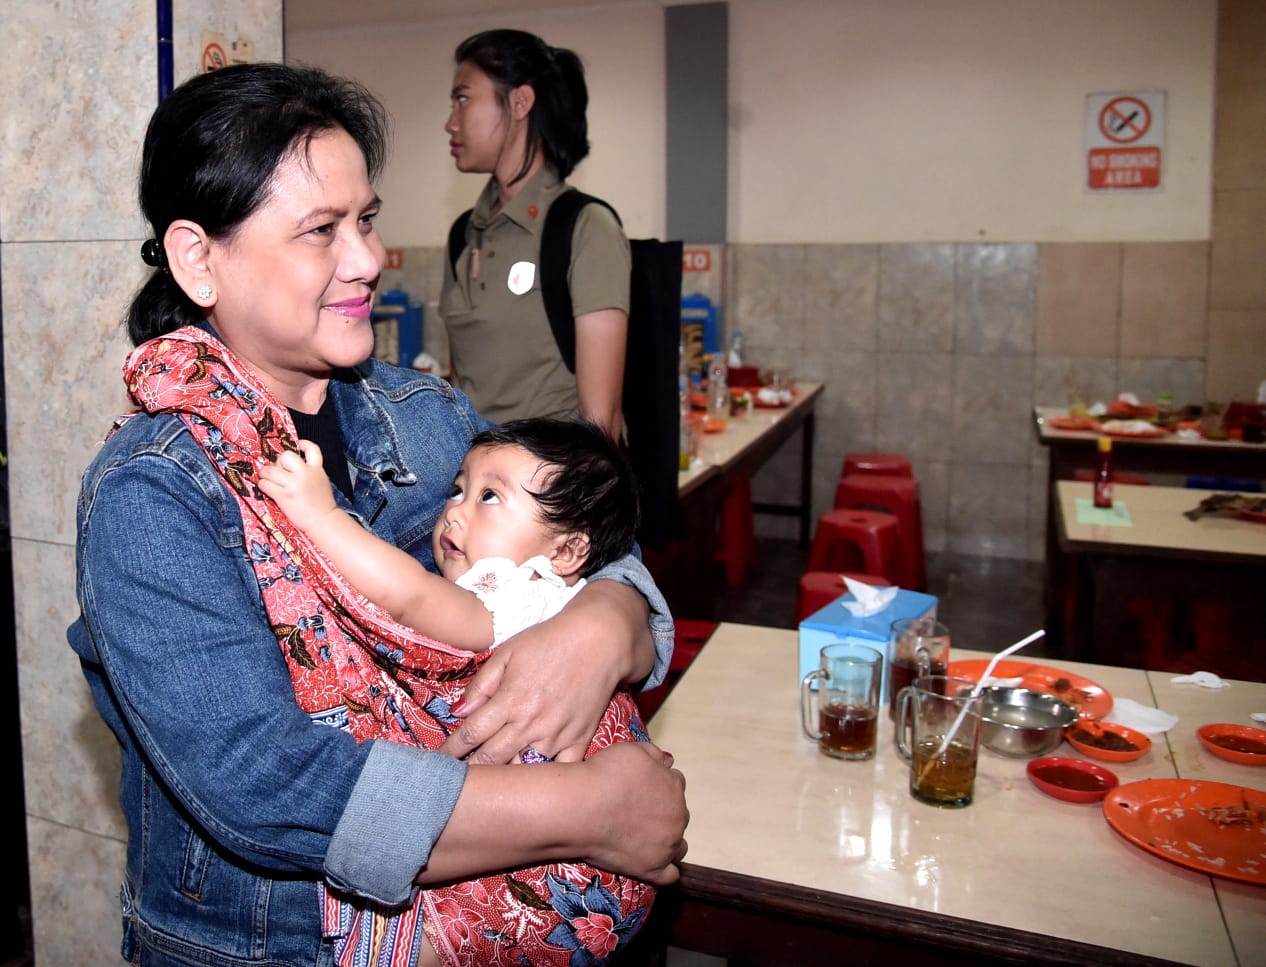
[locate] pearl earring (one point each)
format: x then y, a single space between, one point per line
204 292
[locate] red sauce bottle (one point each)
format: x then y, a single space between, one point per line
1103 474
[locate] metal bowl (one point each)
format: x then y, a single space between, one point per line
1021 723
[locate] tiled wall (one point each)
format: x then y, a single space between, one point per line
75 93
940 351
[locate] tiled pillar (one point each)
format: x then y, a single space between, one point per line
76 90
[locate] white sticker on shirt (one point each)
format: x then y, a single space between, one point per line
521 277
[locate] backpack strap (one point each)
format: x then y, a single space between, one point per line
555 265
457 239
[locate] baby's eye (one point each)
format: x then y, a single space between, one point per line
455 492
489 497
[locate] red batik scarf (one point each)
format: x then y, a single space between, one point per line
354 667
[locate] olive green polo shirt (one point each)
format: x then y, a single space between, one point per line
504 354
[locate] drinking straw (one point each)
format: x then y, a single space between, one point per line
980 685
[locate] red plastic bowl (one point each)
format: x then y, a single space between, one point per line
1244 735
1072 780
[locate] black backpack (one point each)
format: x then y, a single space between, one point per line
651 404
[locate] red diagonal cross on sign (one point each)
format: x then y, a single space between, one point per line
1125 119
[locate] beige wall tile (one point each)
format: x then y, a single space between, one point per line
841 284
60 724
995 291
1079 298
1237 354
74 104
1239 134
914 400
993 409
934 494
62 370
1183 379
75 878
1237 279
1164 292
765 297
1065 380
916 298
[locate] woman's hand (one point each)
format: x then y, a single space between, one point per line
547 687
623 810
645 812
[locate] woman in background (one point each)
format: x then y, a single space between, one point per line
518 115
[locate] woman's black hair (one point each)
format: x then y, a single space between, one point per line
512 58
212 148
589 487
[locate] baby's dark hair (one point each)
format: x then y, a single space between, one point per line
591 489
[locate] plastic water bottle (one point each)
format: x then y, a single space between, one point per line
718 390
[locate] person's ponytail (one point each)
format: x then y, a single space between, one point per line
160 307
562 124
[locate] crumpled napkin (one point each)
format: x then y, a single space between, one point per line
1143 718
1203 679
870 600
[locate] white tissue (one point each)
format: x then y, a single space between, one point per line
870 600
1204 679
1143 718
1261 391
1257 716
1130 398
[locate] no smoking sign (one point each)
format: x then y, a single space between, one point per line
1125 134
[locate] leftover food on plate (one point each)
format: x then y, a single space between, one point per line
1227 505
1139 428
1213 827
1073 423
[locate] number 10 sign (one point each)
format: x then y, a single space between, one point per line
1125 134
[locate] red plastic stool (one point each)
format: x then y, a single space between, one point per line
736 544
887 464
1118 476
898 496
854 540
817 589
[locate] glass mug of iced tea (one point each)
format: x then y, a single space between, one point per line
916 647
938 733
847 700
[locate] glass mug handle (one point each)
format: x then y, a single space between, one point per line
902 723
805 701
922 662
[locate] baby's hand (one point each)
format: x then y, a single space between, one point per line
299 485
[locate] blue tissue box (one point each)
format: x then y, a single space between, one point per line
836 623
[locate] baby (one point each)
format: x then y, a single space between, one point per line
537 505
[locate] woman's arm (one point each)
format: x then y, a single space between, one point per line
622 810
600 344
547 687
380 571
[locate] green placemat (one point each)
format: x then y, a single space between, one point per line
1118 515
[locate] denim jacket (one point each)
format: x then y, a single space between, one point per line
236 803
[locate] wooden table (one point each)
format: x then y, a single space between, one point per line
688 575
1072 450
1241 903
1069 451
800 859
1161 555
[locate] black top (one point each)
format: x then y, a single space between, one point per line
322 429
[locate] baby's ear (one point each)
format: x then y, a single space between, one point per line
570 553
